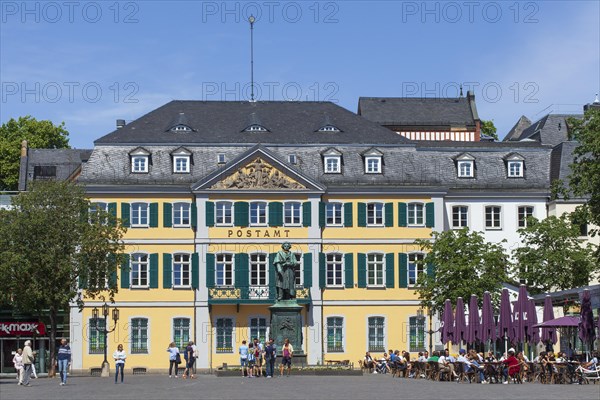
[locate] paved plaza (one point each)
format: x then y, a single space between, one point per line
295 387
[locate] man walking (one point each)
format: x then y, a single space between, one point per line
270 356
64 360
27 362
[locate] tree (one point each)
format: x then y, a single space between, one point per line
39 135
553 257
585 177
464 264
488 128
50 247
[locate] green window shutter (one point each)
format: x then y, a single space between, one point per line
429 215
112 268
193 215
167 215
307 259
389 214
167 270
322 271
348 215
125 271
272 276
402 221
362 214
403 269
362 270
322 219
306 214
275 213
241 272
389 270
210 270
349 270
112 211
125 215
153 215
82 284
210 213
430 270
195 271
154 271
240 213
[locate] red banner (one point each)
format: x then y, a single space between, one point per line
22 328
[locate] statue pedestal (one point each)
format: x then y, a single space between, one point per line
105 370
286 322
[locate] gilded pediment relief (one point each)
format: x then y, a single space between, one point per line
258 175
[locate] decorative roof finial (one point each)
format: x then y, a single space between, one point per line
461 93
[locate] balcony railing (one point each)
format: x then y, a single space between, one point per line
251 295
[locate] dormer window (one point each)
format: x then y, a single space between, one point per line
220 158
329 128
465 166
256 128
332 161
515 165
182 159
292 159
181 128
140 159
327 125
373 161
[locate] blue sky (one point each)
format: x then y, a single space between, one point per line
89 63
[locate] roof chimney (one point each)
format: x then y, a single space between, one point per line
120 123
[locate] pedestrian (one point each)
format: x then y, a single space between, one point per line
174 359
33 372
119 356
189 361
195 349
64 360
287 352
270 355
244 357
18 363
251 360
258 355
27 362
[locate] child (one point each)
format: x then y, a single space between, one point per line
251 360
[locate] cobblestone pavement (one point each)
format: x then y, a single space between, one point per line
295 387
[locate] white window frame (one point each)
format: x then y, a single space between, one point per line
525 215
250 327
181 206
181 128
300 270
384 331
375 265
334 168
231 263
221 158
189 270
139 164
326 334
258 263
373 164
186 165
182 329
297 210
464 173
148 341
293 159
139 223
512 173
223 204
94 207
418 271
415 218
258 219
333 206
375 205
466 217
141 263
329 128
495 217
256 128
333 263
233 335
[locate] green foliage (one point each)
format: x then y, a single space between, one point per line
553 257
464 264
488 128
585 178
39 135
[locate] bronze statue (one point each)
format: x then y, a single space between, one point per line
286 264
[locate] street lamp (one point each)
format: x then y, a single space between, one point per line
430 332
105 331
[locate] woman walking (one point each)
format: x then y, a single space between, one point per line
18 362
174 359
119 356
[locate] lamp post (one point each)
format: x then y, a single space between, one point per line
105 331
430 332
251 20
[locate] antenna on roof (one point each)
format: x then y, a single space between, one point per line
461 93
251 20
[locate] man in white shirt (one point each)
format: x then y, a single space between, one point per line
446 366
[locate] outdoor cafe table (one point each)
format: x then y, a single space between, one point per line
493 369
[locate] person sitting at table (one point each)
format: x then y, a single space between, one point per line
368 362
470 365
399 362
409 366
490 368
446 367
423 356
593 363
448 356
435 356
524 363
512 366
383 364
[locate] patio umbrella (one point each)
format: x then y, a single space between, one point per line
587 332
534 333
562 322
505 322
474 328
520 315
448 319
549 333
459 322
488 326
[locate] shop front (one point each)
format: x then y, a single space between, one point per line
13 335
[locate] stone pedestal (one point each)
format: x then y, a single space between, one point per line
105 370
286 322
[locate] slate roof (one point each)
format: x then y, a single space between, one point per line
223 122
550 129
429 111
516 131
66 161
562 158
